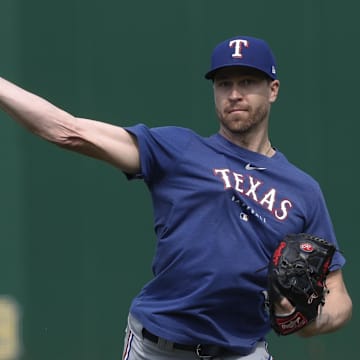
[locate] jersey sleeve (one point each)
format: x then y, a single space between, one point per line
160 148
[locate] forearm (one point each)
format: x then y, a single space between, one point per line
34 113
334 314
328 320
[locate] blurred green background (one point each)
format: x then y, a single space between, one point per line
76 237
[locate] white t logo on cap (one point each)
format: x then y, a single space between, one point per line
238 45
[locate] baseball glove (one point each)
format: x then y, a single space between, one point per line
297 271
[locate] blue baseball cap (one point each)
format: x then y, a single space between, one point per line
243 51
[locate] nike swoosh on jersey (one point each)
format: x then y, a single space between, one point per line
250 167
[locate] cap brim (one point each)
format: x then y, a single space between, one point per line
211 74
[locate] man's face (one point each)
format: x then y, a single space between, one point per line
243 97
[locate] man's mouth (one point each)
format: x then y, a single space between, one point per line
230 111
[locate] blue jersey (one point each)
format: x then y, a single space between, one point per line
219 212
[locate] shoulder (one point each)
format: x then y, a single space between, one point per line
173 136
160 131
173 131
302 178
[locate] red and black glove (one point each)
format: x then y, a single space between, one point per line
297 271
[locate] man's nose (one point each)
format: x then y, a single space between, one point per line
235 93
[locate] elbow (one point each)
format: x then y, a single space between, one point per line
64 142
65 135
60 137
67 141
71 143
349 309
80 145
341 318
345 314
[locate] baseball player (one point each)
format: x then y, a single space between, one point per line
221 206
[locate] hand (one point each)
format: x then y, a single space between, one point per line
283 307
297 276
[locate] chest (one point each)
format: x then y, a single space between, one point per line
235 188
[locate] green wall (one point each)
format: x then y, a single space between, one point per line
76 237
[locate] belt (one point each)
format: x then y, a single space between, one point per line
202 351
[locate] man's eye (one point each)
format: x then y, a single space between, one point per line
247 82
224 83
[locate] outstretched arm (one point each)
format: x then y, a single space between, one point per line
100 140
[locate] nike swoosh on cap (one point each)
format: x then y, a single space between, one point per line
250 167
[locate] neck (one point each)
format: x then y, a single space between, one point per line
260 143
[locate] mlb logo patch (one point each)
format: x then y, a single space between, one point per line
244 217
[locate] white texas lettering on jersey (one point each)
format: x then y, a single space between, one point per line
254 189
238 46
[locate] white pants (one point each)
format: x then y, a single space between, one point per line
136 347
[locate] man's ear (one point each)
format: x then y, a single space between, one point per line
274 90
